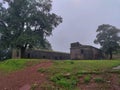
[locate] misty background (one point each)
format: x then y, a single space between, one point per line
81 19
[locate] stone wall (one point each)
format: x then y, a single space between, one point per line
77 52
85 52
16 53
38 54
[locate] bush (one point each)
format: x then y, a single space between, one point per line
87 79
64 82
42 70
34 86
71 62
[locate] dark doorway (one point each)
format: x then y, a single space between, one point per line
28 55
56 58
44 57
82 51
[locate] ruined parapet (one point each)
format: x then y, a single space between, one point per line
75 45
75 51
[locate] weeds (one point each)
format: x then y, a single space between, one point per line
87 79
99 80
64 81
34 86
42 70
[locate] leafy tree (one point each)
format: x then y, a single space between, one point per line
108 37
27 23
5 54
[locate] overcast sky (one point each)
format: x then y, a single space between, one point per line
81 19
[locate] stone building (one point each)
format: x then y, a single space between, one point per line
77 52
85 52
40 54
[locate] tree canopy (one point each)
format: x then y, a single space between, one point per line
109 38
27 23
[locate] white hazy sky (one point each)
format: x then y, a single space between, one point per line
81 19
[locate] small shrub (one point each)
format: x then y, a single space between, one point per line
78 74
87 79
71 62
99 80
34 86
42 70
56 77
64 82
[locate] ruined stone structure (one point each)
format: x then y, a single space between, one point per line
40 54
85 52
77 52
16 53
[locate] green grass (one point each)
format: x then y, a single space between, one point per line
83 66
15 64
67 82
66 73
87 79
72 66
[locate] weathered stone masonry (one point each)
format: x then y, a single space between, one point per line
77 52
85 52
39 54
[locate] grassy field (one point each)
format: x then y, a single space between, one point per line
16 64
83 65
68 74
63 66
65 74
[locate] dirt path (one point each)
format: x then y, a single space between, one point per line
23 79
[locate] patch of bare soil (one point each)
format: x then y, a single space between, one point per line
24 79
